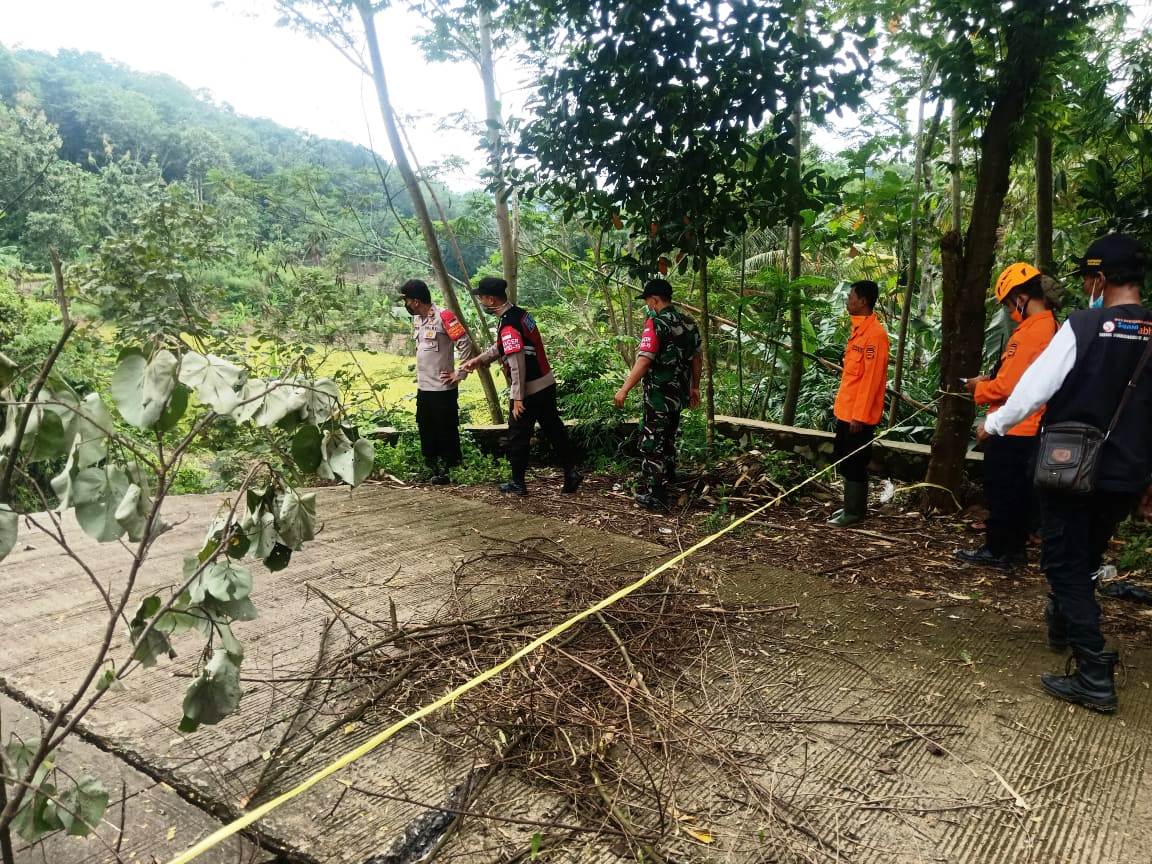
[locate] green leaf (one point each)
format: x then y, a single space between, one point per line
213 378
321 399
37 817
19 756
306 450
9 529
238 610
260 529
108 679
87 428
214 694
98 493
268 402
81 808
296 517
141 387
222 580
153 646
174 410
132 512
350 462
47 440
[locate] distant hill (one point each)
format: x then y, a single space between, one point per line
99 105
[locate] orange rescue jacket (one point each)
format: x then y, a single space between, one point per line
861 394
1028 341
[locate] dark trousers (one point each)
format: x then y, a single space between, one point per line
1076 530
538 408
658 447
1008 492
855 467
438 419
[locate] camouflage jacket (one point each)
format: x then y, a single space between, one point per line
670 340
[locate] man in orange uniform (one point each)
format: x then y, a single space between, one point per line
860 400
1008 460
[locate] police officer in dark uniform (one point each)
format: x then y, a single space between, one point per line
1082 376
669 362
531 386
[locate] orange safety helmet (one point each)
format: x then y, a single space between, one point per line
1013 276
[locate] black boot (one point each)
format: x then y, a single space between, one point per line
1092 685
985 557
1057 629
572 480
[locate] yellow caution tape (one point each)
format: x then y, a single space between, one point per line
215 838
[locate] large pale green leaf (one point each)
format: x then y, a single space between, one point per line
214 694
98 493
352 463
141 386
177 405
11 421
296 517
46 441
222 580
268 402
86 428
213 378
9 528
321 399
260 529
81 807
62 482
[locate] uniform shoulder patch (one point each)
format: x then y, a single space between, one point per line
1011 350
452 325
870 352
510 341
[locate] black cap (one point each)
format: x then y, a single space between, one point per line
657 288
491 286
414 289
1113 253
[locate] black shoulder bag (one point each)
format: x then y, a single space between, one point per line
1069 456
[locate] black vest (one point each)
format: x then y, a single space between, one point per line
1109 344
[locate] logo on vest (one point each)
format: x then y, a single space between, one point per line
1108 326
1061 455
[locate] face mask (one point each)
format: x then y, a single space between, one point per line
1096 301
490 310
1017 313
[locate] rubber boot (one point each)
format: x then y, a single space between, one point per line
516 486
1092 685
1057 630
855 504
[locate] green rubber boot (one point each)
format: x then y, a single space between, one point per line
855 505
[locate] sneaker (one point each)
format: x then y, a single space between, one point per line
985 557
512 487
572 482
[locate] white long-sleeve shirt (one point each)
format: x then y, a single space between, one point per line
1038 384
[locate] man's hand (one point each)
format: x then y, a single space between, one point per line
693 397
1145 509
982 434
467 366
449 378
970 384
620 397
517 408
855 426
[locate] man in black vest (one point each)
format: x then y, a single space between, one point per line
1082 376
531 386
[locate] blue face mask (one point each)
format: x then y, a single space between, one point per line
1097 302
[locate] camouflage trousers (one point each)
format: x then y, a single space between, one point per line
658 439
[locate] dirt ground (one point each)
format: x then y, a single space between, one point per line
897 549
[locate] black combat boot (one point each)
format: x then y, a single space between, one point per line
572 480
1057 630
1092 685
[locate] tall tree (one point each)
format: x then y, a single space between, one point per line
795 296
994 57
673 119
329 19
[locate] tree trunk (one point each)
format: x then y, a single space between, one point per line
968 270
1044 261
954 159
795 298
913 252
412 183
493 121
706 348
740 328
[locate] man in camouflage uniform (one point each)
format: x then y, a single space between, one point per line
668 361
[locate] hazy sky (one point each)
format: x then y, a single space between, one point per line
234 49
